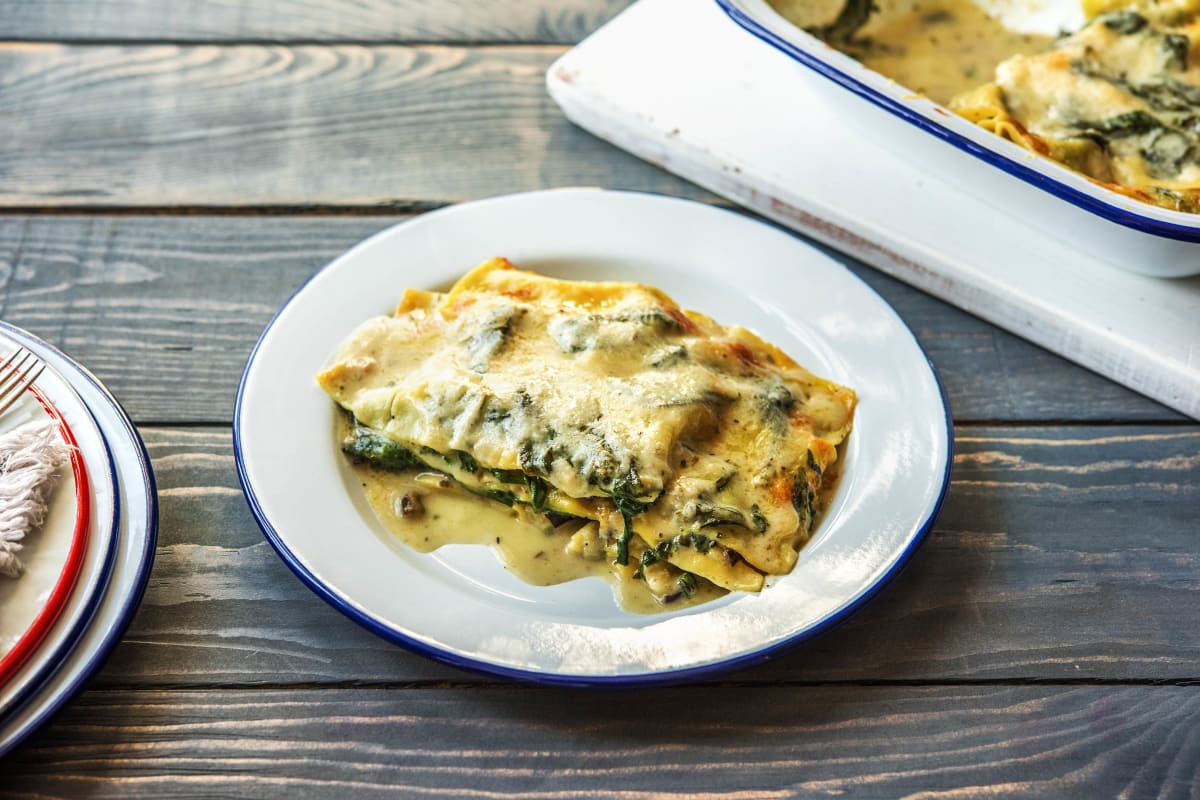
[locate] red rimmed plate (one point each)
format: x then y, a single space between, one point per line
27 595
54 556
120 553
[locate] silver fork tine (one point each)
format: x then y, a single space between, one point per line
18 382
19 357
15 381
10 368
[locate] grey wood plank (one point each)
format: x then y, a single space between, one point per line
563 21
307 125
144 302
1060 554
737 743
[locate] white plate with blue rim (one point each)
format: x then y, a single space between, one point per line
90 641
458 604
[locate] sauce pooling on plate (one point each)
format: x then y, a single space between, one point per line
427 510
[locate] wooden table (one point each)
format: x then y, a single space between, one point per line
171 172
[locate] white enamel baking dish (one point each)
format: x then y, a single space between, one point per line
1109 226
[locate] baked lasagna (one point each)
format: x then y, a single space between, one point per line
617 432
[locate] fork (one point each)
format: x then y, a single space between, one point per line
19 370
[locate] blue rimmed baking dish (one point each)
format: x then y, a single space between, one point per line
1115 229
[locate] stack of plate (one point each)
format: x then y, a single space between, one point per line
86 568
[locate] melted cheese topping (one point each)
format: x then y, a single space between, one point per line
690 444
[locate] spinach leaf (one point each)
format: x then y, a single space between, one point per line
489 338
537 493
370 446
709 514
1130 123
850 19
1175 51
1124 22
804 500
1167 150
623 541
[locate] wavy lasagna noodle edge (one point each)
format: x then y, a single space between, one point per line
695 447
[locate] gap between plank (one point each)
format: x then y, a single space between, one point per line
283 209
297 210
298 42
784 684
959 425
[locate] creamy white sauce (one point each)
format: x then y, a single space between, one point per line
938 48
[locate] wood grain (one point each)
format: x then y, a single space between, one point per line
562 22
252 125
1041 643
1059 555
145 303
736 744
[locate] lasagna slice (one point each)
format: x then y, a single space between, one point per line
682 450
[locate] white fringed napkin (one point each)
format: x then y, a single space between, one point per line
30 457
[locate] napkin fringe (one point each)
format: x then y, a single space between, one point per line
30 458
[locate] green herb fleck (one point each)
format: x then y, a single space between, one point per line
760 521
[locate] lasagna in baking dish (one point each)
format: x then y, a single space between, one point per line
588 428
1118 100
